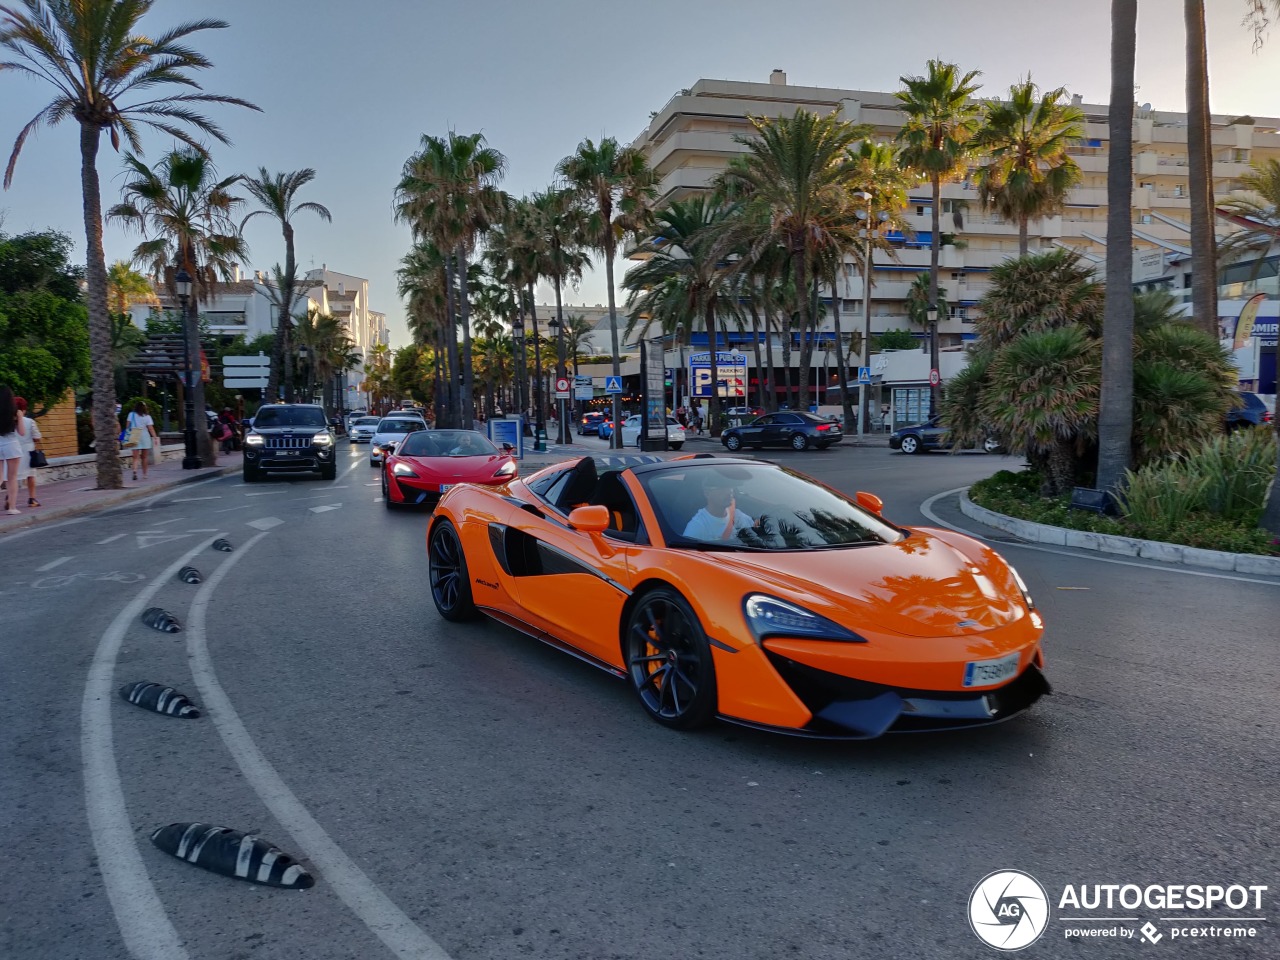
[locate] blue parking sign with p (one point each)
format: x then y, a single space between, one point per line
612 384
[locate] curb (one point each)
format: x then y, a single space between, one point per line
110 499
1250 563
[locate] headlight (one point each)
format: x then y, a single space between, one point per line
402 469
1022 585
322 439
253 440
771 617
508 469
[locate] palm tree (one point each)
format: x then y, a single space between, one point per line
94 56
1258 19
614 183
683 280
1027 170
577 330
185 216
448 193
325 337
125 287
1115 416
935 141
423 283
1204 265
276 193
794 184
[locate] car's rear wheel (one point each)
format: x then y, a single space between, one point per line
733 442
677 446
669 660
799 441
911 444
447 570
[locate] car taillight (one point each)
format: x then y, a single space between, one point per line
1266 416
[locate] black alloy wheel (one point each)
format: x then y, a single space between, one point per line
386 492
669 660
447 571
252 474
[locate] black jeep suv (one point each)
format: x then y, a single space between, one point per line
289 437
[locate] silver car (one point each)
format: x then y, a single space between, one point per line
362 429
390 431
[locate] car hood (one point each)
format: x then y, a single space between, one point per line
920 587
479 466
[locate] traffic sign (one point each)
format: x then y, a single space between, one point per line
612 384
246 373
583 388
935 378
562 388
864 374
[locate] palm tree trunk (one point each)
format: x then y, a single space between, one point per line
453 409
106 428
785 330
1204 273
845 402
772 404
1115 414
713 402
935 247
205 448
615 441
468 375
1023 243
438 365
755 344
798 265
562 407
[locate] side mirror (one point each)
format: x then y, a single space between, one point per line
508 447
590 519
870 502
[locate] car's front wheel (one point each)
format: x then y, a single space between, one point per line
911 444
329 471
669 660
677 446
733 442
447 572
251 474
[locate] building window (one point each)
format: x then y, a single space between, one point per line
224 318
958 276
958 313
1240 155
920 210
910 405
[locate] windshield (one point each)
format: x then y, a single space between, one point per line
365 422
399 426
289 417
738 506
446 443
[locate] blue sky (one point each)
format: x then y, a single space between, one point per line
349 88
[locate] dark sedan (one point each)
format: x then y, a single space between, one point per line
799 431
589 425
931 435
1251 412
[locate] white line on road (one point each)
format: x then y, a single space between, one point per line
332 506
387 921
925 508
267 493
162 523
203 530
192 500
52 563
145 927
112 539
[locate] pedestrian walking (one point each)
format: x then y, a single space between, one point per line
12 430
30 443
142 429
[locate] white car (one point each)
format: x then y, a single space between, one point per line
631 432
390 431
362 429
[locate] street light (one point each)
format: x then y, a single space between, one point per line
517 334
557 331
190 459
302 361
540 424
932 314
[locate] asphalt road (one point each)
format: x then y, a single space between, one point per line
465 792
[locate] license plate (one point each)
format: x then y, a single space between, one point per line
445 486
985 673
288 453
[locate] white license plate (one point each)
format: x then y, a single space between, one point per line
445 486
985 673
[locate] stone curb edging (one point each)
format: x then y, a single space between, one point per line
1127 546
110 499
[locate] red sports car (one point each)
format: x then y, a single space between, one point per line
428 462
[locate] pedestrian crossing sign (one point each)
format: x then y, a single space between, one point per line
612 384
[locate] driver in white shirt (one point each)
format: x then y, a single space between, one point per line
720 519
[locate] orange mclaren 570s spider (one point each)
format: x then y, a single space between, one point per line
740 589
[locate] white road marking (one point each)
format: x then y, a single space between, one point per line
267 493
112 539
248 506
193 500
925 508
151 539
202 530
332 506
375 483
145 927
52 563
266 523
387 921
175 519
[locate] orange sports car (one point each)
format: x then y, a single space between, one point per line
740 589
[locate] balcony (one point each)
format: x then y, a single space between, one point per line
685 180
700 142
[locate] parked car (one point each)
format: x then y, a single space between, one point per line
390 431
1252 412
932 435
799 431
362 429
289 438
631 432
589 425
606 429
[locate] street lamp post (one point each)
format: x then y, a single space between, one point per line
190 459
932 314
540 423
517 334
302 362
557 331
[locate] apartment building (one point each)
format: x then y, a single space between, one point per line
691 139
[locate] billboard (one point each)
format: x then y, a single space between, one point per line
732 371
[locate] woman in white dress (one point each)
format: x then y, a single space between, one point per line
11 433
140 419
32 436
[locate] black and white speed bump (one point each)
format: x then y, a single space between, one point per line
232 854
223 544
157 618
190 575
161 699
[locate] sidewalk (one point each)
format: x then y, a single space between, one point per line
70 498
